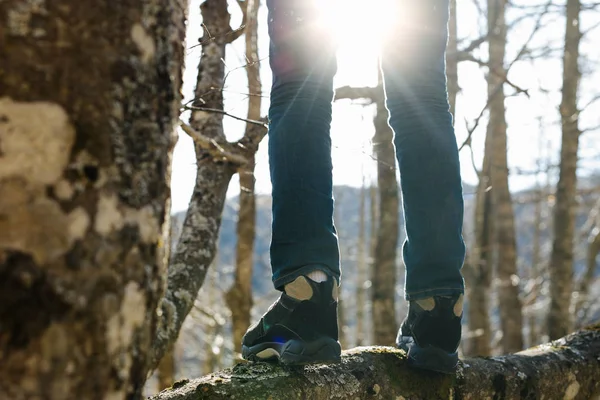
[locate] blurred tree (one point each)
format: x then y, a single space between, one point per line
561 259
478 271
361 273
509 302
213 346
166 369
593 249
383 278
341 315
239 296
84 204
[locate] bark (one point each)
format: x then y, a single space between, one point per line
561 258
383 278
197 243
361 268
217 160
565 369
91 98
239 297
511 317
166 370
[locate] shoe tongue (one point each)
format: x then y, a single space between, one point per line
456 304
427 304
299 289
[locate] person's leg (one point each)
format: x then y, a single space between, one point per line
413 64
302 326
302 59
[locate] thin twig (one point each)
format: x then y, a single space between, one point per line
216 110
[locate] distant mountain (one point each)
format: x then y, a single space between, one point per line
195 342
347 223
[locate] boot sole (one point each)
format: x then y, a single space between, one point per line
429 358
295 352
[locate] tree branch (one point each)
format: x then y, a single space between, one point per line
223 112
219 151
355 93
567 368
236 33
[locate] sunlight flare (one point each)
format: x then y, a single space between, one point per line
359 23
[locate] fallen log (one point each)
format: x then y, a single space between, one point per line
568 368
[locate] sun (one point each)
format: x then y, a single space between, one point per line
359 28
360 22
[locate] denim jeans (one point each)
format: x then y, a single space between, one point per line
302 59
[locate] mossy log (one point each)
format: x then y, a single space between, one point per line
568 368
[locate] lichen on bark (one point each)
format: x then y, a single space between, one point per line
86 128
565 369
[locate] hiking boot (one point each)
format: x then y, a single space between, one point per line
299 328
430 334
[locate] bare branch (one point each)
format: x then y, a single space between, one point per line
592 101
218 111
590 129
590 29
471 46
221 151
253 136
472 129
356 93
236 33
469 143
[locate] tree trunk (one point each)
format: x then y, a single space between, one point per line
239 297
197 244
341 309
92 95
535 274
373 229
166 370
478 272
561 259
566 369
212 353
511 317
361 267
593 249
383 277
216 162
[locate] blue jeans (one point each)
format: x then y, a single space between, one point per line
302 58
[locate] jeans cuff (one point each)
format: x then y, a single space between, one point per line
423 294
280 281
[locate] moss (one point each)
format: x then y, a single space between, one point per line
409 382
558 347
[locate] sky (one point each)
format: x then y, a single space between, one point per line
533 122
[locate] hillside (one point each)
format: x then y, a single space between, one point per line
192 347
